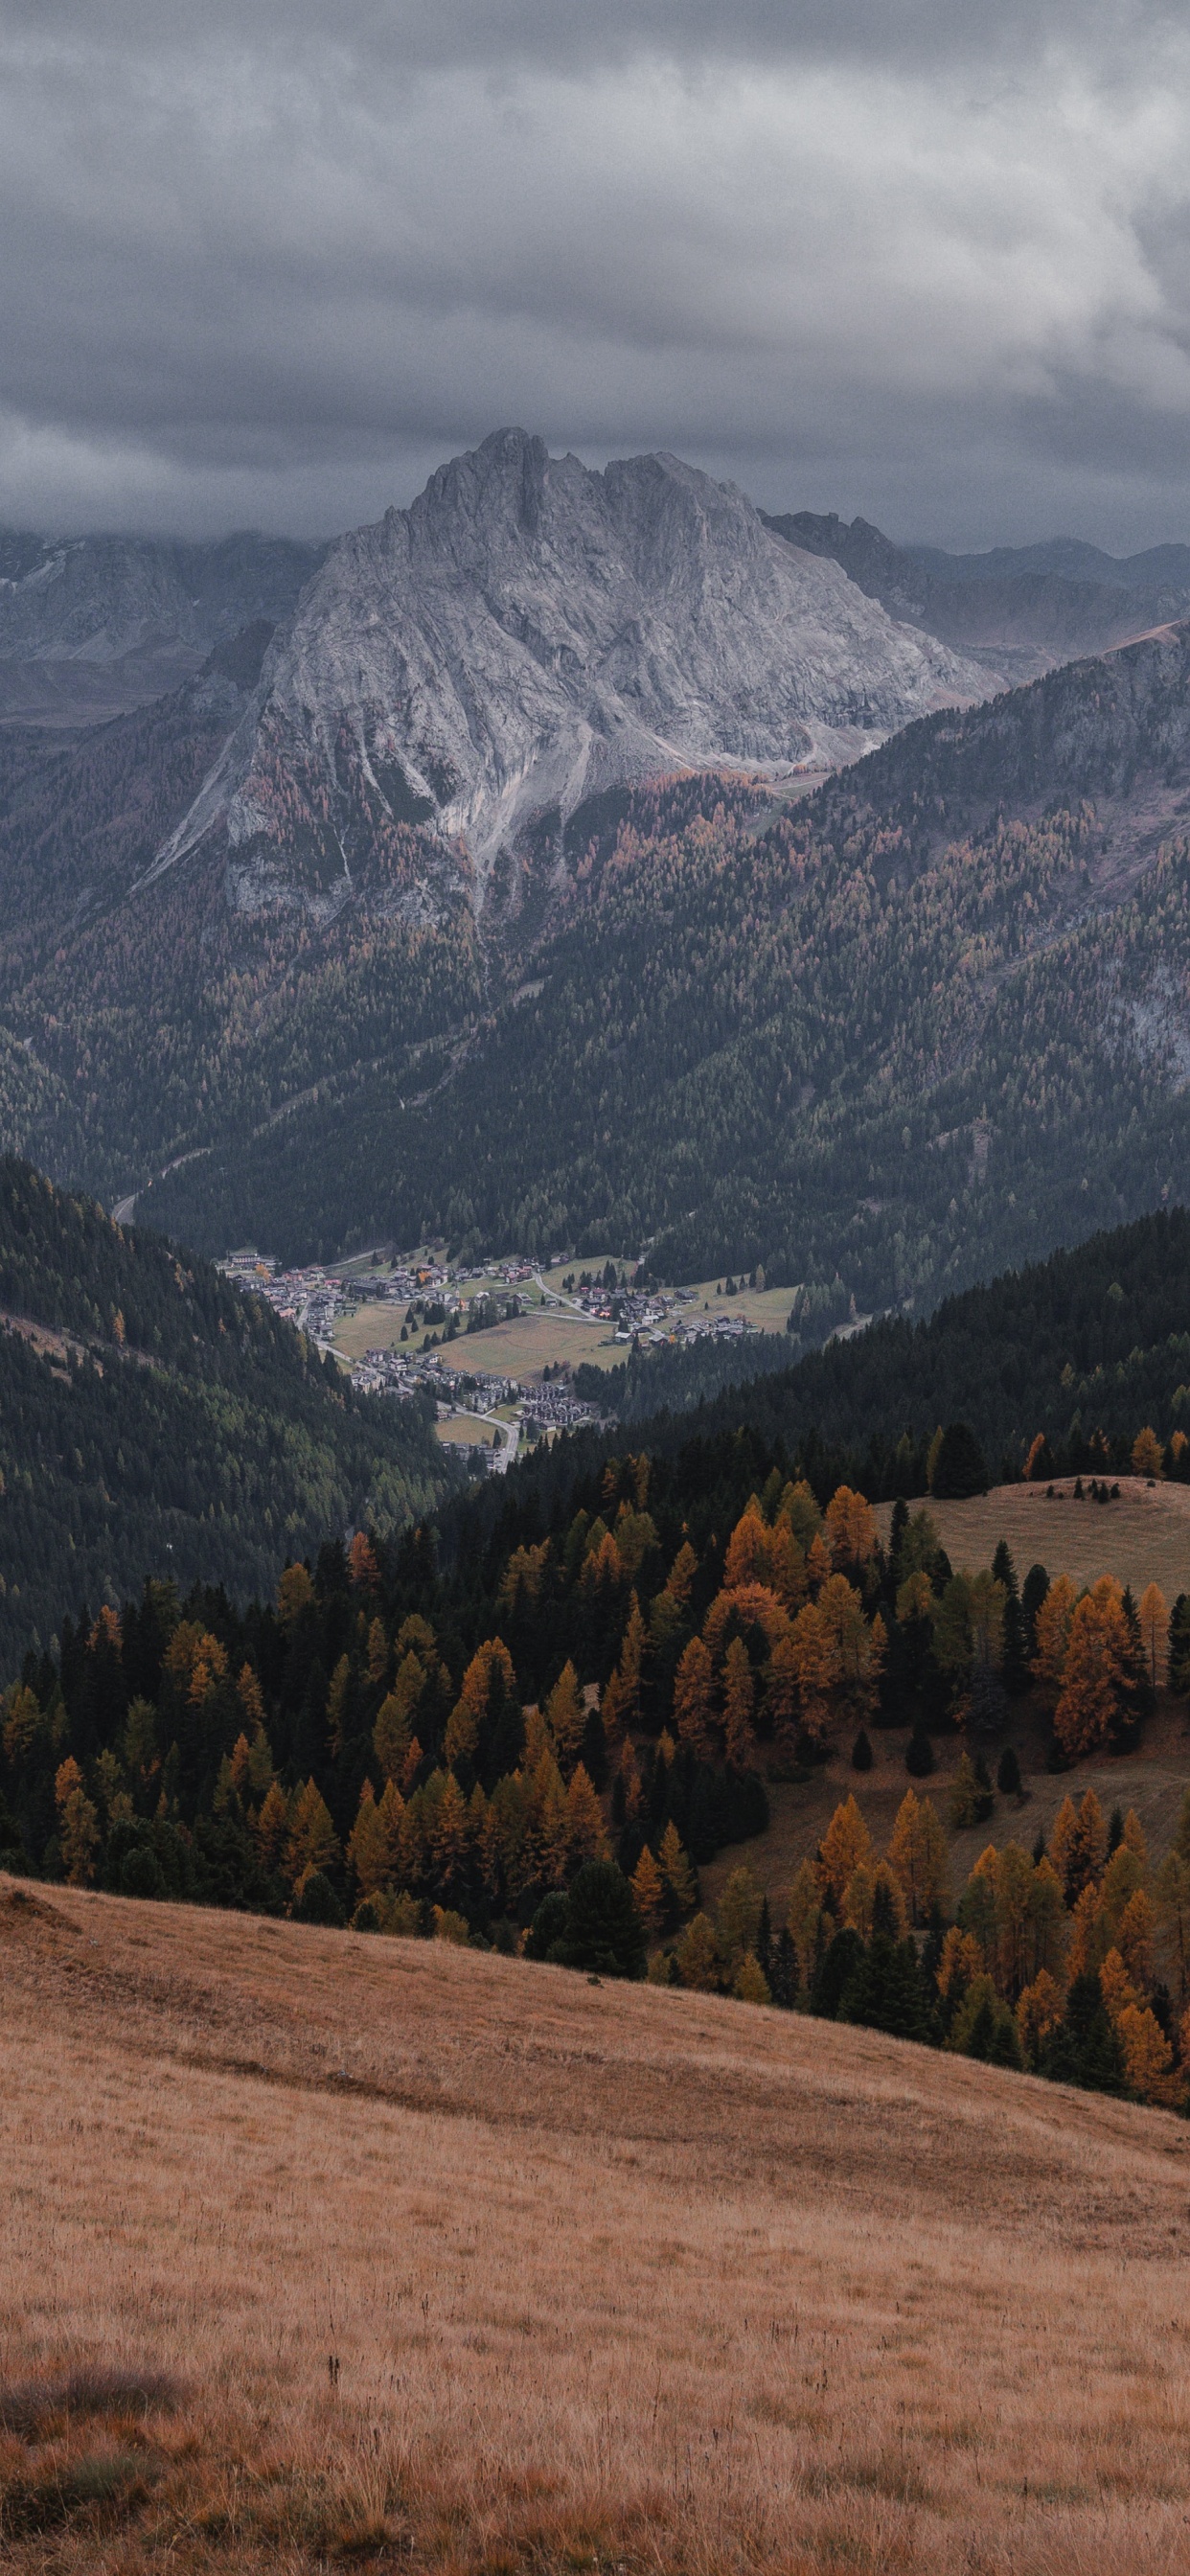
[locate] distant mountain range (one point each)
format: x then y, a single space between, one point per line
93 626
1018 610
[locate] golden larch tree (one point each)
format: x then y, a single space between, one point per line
738 1702
1095 1669
844 1845
694 1699
1051 1633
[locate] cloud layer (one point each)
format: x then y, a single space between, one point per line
269 267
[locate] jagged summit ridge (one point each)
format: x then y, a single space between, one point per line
530 631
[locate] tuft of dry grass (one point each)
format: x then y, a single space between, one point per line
460 2264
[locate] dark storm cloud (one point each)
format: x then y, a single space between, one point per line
924 261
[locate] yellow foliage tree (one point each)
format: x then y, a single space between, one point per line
737 1915
844 1845
566 1717
693 1698
1136 1939
750 1984
367 1848
698 1957
1148 2058
676 1869
78 1824
1148 1456
804 1909
621 1698
313 1842
851 1532
1038 2013
648 1888
295 1592
738 1701
1095 1668
859 1900
917 1854
272 1825
586 1833
1051 1633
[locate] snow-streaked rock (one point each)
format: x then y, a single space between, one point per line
530 632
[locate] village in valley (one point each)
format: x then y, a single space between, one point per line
498 1347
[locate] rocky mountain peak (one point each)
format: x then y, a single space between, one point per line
530 632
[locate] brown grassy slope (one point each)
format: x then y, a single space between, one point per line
610 2277
1142 1538
1152 1781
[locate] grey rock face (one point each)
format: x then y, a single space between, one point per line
530 632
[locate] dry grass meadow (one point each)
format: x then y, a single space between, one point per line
1142 1538
415 2257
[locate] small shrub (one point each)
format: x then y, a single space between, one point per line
919 1753
861 1753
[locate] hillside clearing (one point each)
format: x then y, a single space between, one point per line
1142 1538
482 2267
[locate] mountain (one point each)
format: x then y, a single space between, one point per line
1018 610
880 1041
879 1038
92 626
149 1414
529 634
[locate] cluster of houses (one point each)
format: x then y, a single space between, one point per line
554 1408
313 1298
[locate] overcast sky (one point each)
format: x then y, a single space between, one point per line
268 262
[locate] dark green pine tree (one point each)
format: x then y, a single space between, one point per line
785 1976
833 1973
1179 1645
885 1991
959 1468
764 1943
1033 1592
1085 2049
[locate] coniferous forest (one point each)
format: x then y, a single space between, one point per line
150 1416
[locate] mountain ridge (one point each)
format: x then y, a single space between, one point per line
1020 611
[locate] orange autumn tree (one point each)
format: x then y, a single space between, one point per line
694 1699
738 1701
1094 1668
845 1844
1051 1634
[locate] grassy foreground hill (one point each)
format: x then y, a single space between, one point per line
150 1415
385 2254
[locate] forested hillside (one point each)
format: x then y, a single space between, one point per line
152 1417
538 1742
1091 1341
